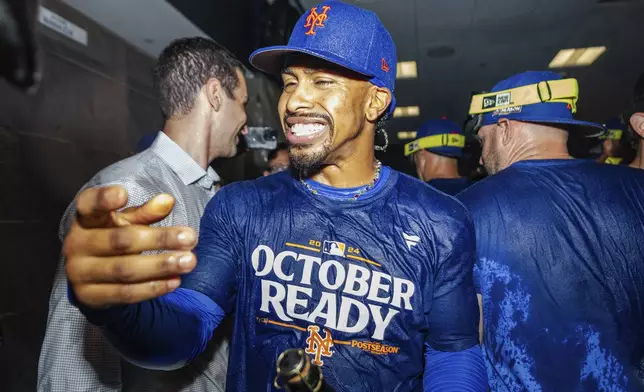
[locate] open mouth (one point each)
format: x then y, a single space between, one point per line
305 130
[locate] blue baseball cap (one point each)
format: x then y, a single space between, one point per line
615 127
557 113
342 34
446 127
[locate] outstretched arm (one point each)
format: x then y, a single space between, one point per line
164 333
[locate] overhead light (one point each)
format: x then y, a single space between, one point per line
407 111
579 57
406 70
406 135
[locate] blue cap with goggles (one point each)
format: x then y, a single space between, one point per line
615 129
440 136
534 96
341 34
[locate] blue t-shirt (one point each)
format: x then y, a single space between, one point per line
451 186
361 285
560 264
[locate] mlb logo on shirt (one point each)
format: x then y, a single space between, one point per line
334 248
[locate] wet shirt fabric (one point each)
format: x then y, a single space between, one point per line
560 265
451 186
362 285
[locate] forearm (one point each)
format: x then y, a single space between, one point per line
459 371
164 333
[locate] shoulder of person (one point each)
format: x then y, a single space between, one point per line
485 190
254 191
239 199
436 213
135 170
418 194
127 173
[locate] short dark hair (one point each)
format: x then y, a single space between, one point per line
185 66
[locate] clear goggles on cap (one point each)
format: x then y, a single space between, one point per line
433 141
508 101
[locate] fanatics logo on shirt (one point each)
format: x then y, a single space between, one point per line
411 240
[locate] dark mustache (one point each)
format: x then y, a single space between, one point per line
309 115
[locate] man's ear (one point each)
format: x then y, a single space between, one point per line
637 123
213 90
504 129
378 103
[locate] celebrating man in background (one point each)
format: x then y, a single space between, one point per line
438 146
612 149
559 246
204 111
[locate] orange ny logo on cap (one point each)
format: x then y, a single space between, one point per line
316 20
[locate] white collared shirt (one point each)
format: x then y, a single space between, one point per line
75 356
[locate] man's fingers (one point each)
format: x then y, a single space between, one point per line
100 295
94 205
155 210
128 240
131 269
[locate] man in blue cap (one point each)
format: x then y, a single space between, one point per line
612 147
559 246
365 269
438 146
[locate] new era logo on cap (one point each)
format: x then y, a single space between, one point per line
497 100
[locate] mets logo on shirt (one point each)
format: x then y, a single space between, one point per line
317 345
316 19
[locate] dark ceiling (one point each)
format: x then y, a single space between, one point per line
466 45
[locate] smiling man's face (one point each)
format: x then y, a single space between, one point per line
323 109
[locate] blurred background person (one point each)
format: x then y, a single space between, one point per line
613 149
634 117
278 160
435 152
204 111
559 246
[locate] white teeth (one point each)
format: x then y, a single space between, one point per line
306 129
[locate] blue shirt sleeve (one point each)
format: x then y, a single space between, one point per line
164 333
218 254
461 371
454 315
